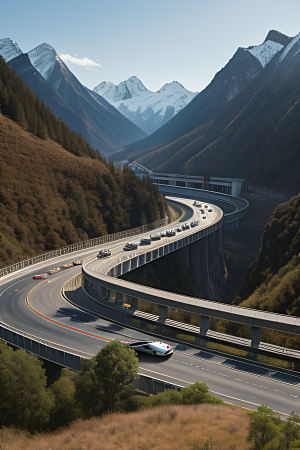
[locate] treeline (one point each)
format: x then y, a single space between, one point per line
22 106
103 386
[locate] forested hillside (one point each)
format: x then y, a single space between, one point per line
55 189
272 282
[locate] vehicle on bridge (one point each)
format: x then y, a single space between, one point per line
195 223
185 226
196 203
155 237
155 348
78 262
145 241
131 246
171 233
104 253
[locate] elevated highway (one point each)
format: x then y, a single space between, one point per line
36 316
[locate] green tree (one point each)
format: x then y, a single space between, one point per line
65 409
25 401
104 384
264 427
196 393
291 432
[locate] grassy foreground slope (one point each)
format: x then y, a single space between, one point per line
165 428
50 197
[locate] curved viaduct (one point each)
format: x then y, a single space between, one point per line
35 316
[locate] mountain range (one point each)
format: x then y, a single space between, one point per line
101 125
244 124
148 110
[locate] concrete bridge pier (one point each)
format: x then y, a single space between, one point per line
255 337
204 327
163 314
255 340
134 303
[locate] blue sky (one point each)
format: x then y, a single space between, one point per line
156 40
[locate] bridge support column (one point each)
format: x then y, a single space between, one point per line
134 303
255 337
163 313
204 327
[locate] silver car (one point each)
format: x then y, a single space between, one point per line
104 253
171 233
131 246
195 223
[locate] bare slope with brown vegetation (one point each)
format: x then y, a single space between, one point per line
165 428
50 198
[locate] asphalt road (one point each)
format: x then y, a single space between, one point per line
66 325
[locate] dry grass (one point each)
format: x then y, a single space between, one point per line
164 428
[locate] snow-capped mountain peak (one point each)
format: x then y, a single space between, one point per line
125 90
266 51
9 49
174 86
147 109
43 58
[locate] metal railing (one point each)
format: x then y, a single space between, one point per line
82 246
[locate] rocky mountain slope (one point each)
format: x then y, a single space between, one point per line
45 73
253 135
148 110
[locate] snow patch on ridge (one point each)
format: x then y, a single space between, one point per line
43 58
9 49
265 52
294 41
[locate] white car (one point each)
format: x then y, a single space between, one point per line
104 253
155 348
196 203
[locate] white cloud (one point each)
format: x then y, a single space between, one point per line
79 61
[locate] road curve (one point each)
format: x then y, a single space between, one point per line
51 318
